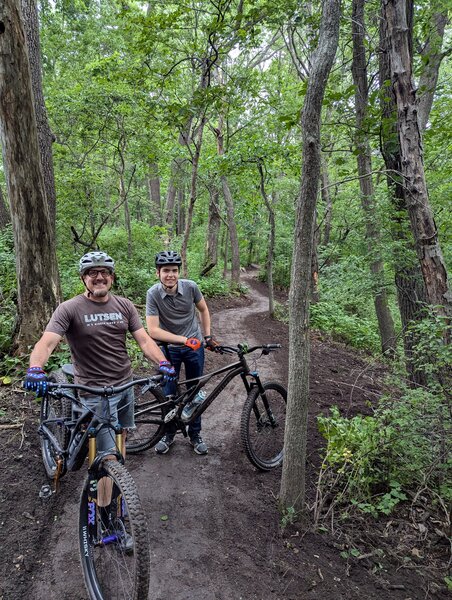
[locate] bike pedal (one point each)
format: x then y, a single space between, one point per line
46 492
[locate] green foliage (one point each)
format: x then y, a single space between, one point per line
431 354
288 517
373 461
7 290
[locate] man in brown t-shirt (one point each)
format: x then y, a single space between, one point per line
95 325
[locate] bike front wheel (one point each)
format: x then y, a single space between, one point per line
149 425
114 541
262 426
54 412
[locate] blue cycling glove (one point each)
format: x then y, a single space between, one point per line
36 381
167 369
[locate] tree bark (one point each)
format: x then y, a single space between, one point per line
364 161
327 201
154 195
45 135
213 230
36 263
420 213
271 240
230 212
432 56
411 295
292 493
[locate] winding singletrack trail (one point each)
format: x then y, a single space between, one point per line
213 521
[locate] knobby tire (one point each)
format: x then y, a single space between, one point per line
111 571
58 409
262 427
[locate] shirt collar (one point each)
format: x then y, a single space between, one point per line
180 289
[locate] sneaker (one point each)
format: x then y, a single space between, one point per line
199 446
163 445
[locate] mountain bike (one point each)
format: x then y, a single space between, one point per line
113 539
263 415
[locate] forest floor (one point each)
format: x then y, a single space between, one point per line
220 537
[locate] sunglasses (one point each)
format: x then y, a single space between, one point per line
93 273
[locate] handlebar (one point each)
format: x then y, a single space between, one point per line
107 390
243 348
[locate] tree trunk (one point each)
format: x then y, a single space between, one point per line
432 56
180 225
213 229
315 293
364 160
271 240
327 201
422 222
292 493
175 183
193 193
230 212
154 194
45 135
411 296
36 262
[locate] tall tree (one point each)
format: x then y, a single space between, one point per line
364 161
292 493
45 135
411 296
36 263
423 226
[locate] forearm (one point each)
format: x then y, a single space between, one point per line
204 317
157 333
42 351
152 352
165 336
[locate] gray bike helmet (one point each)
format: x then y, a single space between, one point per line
167 257
96 259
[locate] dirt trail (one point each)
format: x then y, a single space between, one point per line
219 538
205 548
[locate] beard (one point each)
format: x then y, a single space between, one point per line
99 293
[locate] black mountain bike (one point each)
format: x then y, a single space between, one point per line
263 414
113 539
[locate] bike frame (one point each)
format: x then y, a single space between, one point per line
93 422
233 370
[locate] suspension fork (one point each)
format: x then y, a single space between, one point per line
263 394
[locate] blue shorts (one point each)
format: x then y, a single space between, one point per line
122 412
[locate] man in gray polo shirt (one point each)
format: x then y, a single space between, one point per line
171 317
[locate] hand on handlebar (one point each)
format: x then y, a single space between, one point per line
193 343
167 369
36 381
211 343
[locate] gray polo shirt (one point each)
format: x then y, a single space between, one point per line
177 314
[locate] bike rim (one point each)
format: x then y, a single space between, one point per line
111 569
266 428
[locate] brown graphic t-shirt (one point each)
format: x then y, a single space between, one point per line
96 333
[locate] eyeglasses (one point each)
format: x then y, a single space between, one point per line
93 273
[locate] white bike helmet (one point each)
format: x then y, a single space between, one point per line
95 259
